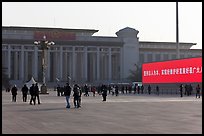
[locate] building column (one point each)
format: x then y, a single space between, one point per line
69 65
94 66
85 63
48 65
9 62
145 57
55 72
121 64
153 57
26 66
73 63
97 64
65 67
105 65
109 65
16 65
22 64
170 56
61 61
162 56
35 74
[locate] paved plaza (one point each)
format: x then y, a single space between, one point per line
124 114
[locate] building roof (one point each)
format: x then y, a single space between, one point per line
48 28
153 42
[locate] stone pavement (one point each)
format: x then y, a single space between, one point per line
124 114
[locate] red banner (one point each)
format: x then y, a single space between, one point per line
175 71
54 35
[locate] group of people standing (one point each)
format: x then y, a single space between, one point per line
34 92
76 94
189 89
102 90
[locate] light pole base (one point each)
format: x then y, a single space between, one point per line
43 89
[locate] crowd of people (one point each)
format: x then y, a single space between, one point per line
102 90
33 90
188 90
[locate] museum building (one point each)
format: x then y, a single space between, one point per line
80 55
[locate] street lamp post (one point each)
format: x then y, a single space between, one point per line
68 78
44 46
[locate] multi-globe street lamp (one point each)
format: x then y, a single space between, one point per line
44 46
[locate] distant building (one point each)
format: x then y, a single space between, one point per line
82 56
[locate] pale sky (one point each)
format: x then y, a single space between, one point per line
155 21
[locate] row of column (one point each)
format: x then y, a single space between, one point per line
62 64
169 56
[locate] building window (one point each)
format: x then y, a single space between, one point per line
173 56
166 56
182 56
158 57
141 58
189 56
149 58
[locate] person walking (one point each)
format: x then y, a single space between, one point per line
14 93
58 90
130 89
138 89
8 89
157 89
86 89
135 88
126 89
191 89
149 89
186 89
109 89
76 96
198 91
93 89
116 90
113 90
181 90
24 92
67 92
80 93
32 94
104 92
142 89
36 90
122 89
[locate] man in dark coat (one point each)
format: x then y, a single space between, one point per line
181 90
86 89
157 89
36 90
149 89
116 90
76 96
198 91
142 89
32 94
58 90
80 93
104 92
67 92
14 93
24 92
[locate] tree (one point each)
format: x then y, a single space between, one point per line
136 74
5 79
